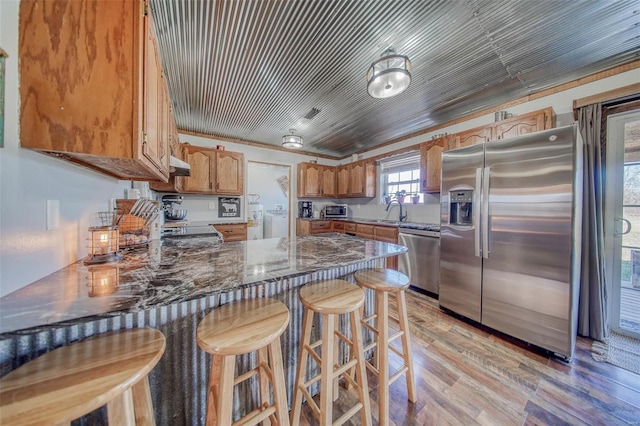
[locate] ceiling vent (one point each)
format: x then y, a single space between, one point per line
312 113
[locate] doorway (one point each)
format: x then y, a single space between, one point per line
622 220
268 192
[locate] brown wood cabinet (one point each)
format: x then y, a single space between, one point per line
91 87
523 124
316 180
472 137
350 180
431 163
310 227
213 171
431 152
233 232
356 179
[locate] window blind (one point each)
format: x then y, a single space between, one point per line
401 163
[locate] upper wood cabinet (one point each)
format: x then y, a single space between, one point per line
472 137
342 178
91 86
328 181
431 152
356 179
431 163
514 126
316 180
523 124
309 180
213 171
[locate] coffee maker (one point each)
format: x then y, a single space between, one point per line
305 209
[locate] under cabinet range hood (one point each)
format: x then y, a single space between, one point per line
177 167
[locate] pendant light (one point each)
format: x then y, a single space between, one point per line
389 76
292 141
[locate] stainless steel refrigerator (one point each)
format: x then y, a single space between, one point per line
511 235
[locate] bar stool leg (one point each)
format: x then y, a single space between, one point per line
263 364
224 400
279 387
142 404
363 388
336 358
406 345
382 302
120 409
212 395
326 370
296 406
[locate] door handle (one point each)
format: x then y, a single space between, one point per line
485 212
476 212
621 219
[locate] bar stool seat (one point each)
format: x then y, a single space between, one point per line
330 299
385 282
239 328
74 380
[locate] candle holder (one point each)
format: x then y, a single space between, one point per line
103 280
103 245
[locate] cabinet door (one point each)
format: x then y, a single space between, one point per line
518 126
473 136
356 179
328 181
431 157
342 175
229 173
232 232
201 161
154 143
309 180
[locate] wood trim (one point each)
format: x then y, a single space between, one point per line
620 92
257 144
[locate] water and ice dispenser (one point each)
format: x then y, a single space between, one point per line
461 208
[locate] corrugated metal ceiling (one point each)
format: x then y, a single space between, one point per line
252 69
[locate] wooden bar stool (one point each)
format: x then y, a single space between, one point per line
330 299
384 282
239 328
74 380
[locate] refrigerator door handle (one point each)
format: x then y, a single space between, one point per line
485 212
476 212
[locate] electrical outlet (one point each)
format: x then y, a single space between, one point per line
212 205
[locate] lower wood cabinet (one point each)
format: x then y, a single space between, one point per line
233 231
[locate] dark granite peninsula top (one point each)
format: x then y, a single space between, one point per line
177 270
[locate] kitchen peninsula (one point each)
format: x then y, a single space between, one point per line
171 287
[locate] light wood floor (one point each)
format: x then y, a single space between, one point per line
468 376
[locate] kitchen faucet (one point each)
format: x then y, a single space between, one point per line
401 217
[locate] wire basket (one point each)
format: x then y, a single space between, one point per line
108 218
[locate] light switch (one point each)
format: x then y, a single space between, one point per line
53 214
212 205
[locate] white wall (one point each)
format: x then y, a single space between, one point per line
28 179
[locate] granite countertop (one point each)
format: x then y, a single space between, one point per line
384 222
175 270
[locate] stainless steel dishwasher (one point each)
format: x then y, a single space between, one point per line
422 261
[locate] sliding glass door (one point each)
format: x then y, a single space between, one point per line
622 220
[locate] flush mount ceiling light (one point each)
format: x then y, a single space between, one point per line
292 141
389 76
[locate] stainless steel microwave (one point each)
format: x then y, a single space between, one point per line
336 211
